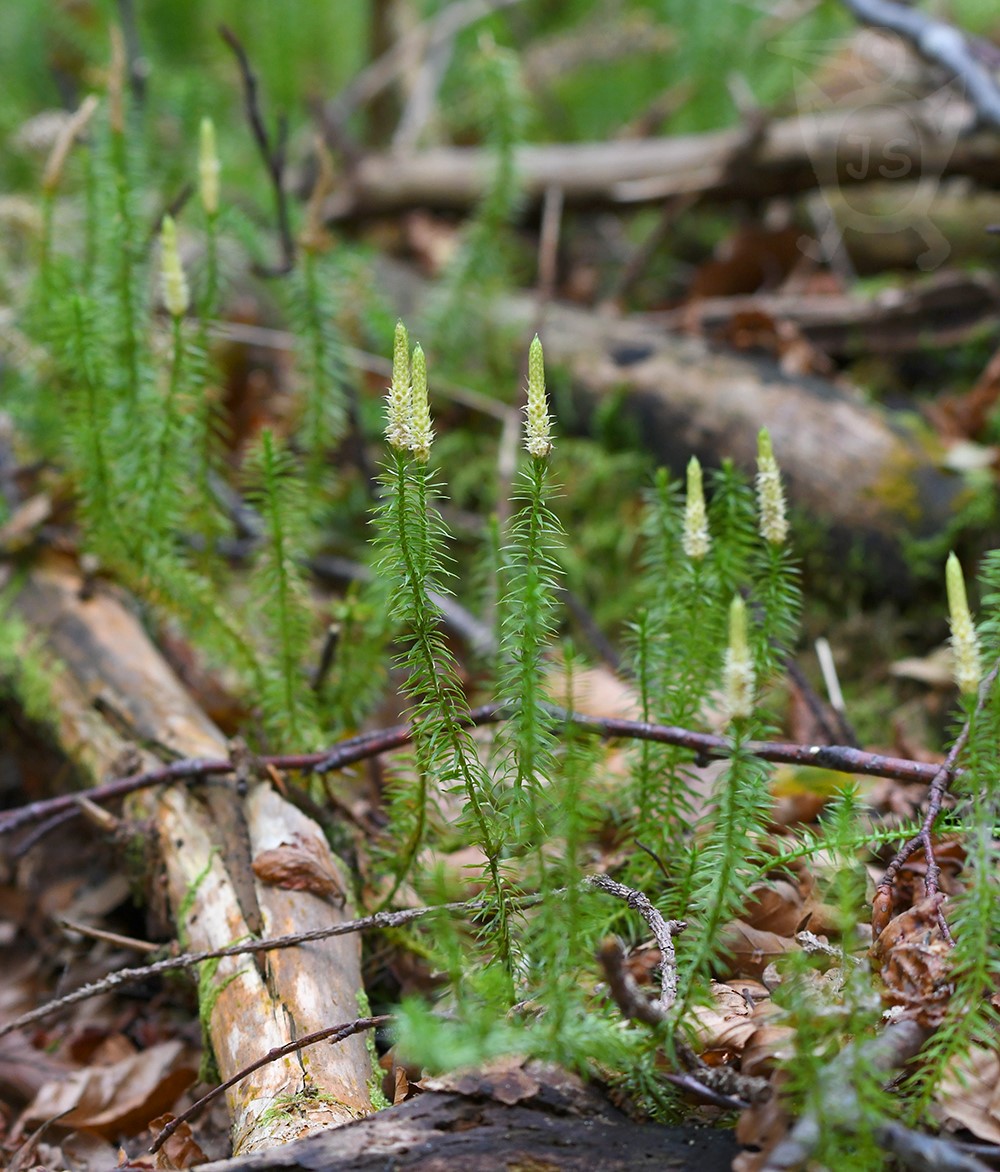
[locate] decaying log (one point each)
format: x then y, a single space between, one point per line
866 479
944 310
113 691
522 1121
839 148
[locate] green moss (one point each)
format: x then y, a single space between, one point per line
378 1100
209 992
895 487
293 1105
26 670
187 901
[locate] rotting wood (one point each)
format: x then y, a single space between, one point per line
536 1118
943 310
103 654
927 138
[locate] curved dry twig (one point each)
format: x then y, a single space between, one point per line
332 1034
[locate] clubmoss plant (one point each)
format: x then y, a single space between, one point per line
696 539
411 538
974 915
281 592
724 863
775 594
964 640
528 607
160 520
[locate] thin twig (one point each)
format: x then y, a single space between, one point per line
273 152
663 931
109 937
705 746
629 998
688 1082
188 960
817 709
332 1034
28 843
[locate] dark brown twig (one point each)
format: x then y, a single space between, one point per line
28 843
333 1034
837 758
688 1082
817 709
274 151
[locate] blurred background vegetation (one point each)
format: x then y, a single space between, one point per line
588 70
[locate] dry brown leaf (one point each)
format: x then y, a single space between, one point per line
935 669
914 962
775 906
767 1045
969 1095
750 950
726 1025
596 691
81 1151
507 1082
298 866
117 1099
181 1150
760 1128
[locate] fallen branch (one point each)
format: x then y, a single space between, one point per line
530 1118
794 155
111 690
706 747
